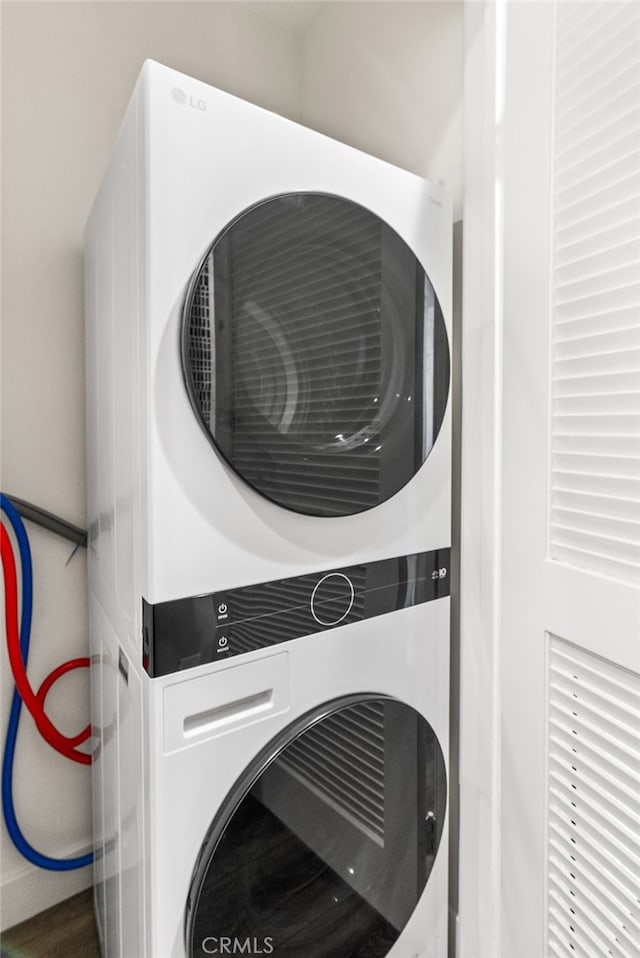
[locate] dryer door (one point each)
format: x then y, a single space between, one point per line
315 354
326 845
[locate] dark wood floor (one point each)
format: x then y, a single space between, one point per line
65 931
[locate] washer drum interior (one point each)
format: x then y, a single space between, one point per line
325 845
315 354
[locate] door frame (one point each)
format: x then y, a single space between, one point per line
477 929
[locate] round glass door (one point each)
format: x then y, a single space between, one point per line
315 354
326 845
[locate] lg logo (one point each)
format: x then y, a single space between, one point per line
183 99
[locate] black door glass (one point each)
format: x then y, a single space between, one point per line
315 354
325 847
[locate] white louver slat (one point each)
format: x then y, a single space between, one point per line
595 405
593 806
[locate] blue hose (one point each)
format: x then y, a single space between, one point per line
15 833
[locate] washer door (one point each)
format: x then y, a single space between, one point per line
315 354
325 846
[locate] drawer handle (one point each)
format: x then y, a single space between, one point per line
223 714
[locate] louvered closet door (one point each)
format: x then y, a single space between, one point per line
595 476
315 354
570 626
324 848
593 737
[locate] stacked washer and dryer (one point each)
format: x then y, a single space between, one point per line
268 313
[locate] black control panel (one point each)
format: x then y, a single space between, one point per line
184 633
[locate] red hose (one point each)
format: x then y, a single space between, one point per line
51 679
35 702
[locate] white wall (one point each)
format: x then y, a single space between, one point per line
387 78
384 77
68 70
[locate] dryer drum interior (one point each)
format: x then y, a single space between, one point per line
315 354
325 846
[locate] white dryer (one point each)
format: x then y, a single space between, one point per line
269 507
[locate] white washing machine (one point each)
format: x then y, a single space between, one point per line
269 516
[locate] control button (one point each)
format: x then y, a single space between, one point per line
332 599
221 606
